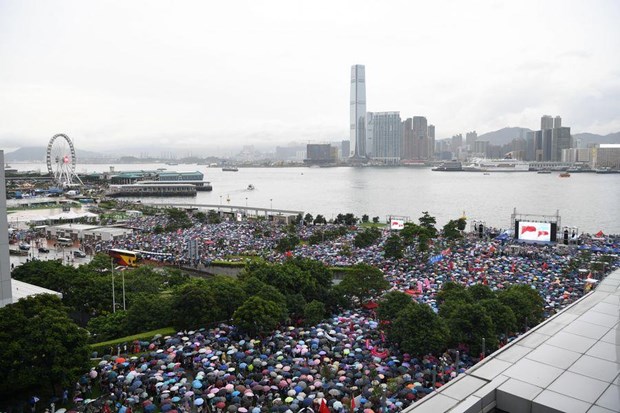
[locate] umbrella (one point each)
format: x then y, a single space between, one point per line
199 401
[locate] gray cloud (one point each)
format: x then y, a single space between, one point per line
233 73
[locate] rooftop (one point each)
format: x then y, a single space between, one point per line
570 362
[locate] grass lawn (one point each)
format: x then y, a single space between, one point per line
372 225
104 346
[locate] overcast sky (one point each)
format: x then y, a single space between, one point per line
211 74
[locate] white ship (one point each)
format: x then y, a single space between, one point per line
496 165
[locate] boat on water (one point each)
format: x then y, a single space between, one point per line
251 187
606 170
230 169
151 189
171 163
565 175
449 166
496 165
544 171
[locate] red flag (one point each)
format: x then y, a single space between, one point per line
323 408
352 403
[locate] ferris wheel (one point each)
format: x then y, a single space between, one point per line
61 161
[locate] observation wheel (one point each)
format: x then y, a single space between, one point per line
61 161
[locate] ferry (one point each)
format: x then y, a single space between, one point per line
151 189
200 185
564 175
544 171
497 165
230 169
450 166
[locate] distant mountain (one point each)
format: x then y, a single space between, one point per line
504 136
39 153
589 138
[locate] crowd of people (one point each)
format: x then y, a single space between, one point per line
343 364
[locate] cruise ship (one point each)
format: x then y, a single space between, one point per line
496 165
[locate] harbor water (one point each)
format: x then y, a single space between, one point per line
587 201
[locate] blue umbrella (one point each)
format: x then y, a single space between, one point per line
197 384
199 401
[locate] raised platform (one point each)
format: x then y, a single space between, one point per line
569 363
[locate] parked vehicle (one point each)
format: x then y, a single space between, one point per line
79 254
24 246
44 250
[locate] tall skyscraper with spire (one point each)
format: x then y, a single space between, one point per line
358 112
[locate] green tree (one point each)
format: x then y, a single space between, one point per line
213 217
481 292
462 223
365 218
393 247
526 304
287 243
451 230
201 217
362 283
502 316
149 312
367 237
314 312
193 306
257 316
428 222
469 324
308 219
228 294
108 326
418 330
320 219
375 220
452 292
391 304
39 346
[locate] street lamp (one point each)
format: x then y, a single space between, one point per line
246 201
270 203
113 296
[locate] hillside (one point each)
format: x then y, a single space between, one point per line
504 135
38 154
589 138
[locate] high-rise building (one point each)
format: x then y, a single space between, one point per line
546 122
470 139
320 153
358 112
431 141
560 139
369 134
387 136
456 142
344 149
420 138
557 122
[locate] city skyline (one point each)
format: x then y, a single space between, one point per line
207 76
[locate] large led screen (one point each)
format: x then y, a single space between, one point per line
534 231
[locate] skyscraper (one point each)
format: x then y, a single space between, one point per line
386 132
546 122
358 112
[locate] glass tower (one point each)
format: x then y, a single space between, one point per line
358 112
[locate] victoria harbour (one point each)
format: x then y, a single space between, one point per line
587 201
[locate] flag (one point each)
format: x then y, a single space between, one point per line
446 251
352 404
323 408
